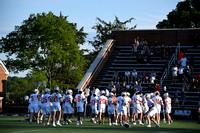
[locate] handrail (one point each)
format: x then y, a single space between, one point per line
171 61
95 65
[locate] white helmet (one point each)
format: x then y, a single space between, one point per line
128 94
35 90
69 91
102 92
166 94
156 92
26 98
56 88
123 94
47 90
148 96
111 94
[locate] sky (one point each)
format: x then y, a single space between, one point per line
147 13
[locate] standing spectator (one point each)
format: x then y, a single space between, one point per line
111 86
180 72
183 97
128 87
153 77
127 75
176 98
157 87
117 86
140 88
116 76
183 62
87 91
121 75
180 56
134 76
174 73
193 85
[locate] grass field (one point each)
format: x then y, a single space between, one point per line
17 124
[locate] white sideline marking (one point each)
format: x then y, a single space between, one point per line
25 131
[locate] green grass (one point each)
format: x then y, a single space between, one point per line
12 124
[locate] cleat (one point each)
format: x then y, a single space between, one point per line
77 123
141 123
54 125
99 122
43 124
81 122
110 124
134 123
171 121
69 121
148 125
59 124
157 126
38 122
64 122
48 124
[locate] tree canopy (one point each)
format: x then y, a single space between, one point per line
186 15
47 44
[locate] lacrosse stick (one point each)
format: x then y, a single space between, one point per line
39 83
85 108
164 120
44 84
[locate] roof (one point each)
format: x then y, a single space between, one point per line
4 68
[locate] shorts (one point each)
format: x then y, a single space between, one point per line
145 110
34 109
158 109
138 109
46 110
56 108
168 110
68 109
40 106
80 109
111 111
94 111
122 112
152 113
102 110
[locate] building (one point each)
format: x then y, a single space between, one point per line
3 84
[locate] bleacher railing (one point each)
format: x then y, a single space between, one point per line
95 65
171 61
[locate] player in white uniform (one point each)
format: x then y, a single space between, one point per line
129 104
157 102
68 109
79 99
168 107
34 105
123 103
102 101
111 109
56 99
40 95
118 106
145 106
152 111
93 102
46 108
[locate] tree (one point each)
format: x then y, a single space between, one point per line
186 15
47 44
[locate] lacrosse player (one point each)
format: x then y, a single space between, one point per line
34 105
46 107
93 101
40 95
56 99
68 108
102 101
168 107
111 109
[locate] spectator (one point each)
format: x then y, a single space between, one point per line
157 50
127 75
128 87
180 72
117 86
140 88
135 87
198 79
111 86
116 76
87 91
188 73
176 98
183 97
142 76
153 77
174 73
183 62
93 90
157 87
134 76
147 75
193 85
121 75
185 83
124 85
150 88
180 56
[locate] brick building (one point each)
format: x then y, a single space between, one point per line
3 84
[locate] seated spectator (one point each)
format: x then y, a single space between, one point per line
183 62
183 97
111 86
127 75
147 76
133 76
121 75
140 87
128 87
157 50
193 85
180 56
157 87
174 73
181 73
116 76
153 77
142 76
176 98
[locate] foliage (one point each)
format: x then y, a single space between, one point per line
186 15
48 45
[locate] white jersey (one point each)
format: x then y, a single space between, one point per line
87 92
107 92
34 99
40 96
111 105
68 100
123 103
57 97
46 100
102 100
79 99
157 101
118 100
168 102
93 102
150 104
